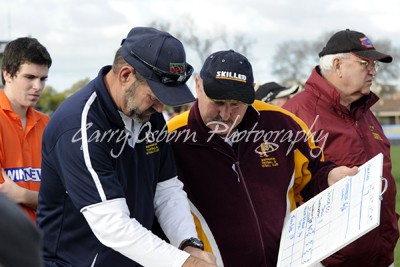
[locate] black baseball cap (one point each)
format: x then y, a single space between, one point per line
349 41
161 59
271 90
228 75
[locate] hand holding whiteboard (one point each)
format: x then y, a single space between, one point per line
334 218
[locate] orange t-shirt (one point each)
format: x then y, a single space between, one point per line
21 151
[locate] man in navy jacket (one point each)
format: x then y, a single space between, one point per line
105 176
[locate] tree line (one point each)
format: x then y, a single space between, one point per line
293 60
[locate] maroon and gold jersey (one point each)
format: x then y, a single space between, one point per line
242 188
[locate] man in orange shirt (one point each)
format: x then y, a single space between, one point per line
25 68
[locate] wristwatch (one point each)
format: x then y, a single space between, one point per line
192 242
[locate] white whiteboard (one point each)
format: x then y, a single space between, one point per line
334 218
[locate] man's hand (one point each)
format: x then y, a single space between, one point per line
203 255
339 173
193 261
17 193
199 258
9 188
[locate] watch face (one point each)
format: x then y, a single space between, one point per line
197 242
193 242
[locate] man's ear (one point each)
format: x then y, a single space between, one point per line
7 76
126 73
336 66
199 84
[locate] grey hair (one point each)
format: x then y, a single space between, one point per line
326 62
119 62
140 78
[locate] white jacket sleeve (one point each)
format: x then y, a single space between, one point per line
173 211
111 224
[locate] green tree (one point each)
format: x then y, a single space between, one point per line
51 99
76 87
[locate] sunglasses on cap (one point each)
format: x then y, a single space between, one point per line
168 77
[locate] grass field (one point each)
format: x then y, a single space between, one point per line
395 154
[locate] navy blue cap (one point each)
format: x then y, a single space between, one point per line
228 75
349 41
163 51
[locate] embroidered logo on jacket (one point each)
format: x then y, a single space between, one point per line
151 144
374 133
266 160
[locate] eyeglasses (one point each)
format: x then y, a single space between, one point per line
369 65
168 77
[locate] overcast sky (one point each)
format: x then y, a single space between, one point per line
83 35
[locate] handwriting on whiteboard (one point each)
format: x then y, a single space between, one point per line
334 218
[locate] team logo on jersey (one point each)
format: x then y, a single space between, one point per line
152 148
263 150
24 174
151 144
374 133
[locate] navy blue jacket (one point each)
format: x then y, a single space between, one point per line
117 171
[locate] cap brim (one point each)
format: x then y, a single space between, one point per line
171 95
373 55
231 97
287 92
267 92
266 95
225 93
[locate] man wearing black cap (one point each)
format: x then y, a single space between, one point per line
105 174
241 164
337 100
274 93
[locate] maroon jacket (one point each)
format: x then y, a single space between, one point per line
354 137
241 195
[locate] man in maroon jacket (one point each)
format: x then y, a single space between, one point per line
337 101
244 164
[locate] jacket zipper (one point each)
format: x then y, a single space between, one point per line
252 209
236 168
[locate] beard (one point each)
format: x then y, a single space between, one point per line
132 110
140 116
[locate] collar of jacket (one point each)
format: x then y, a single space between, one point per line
109 107
105 98
328 94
